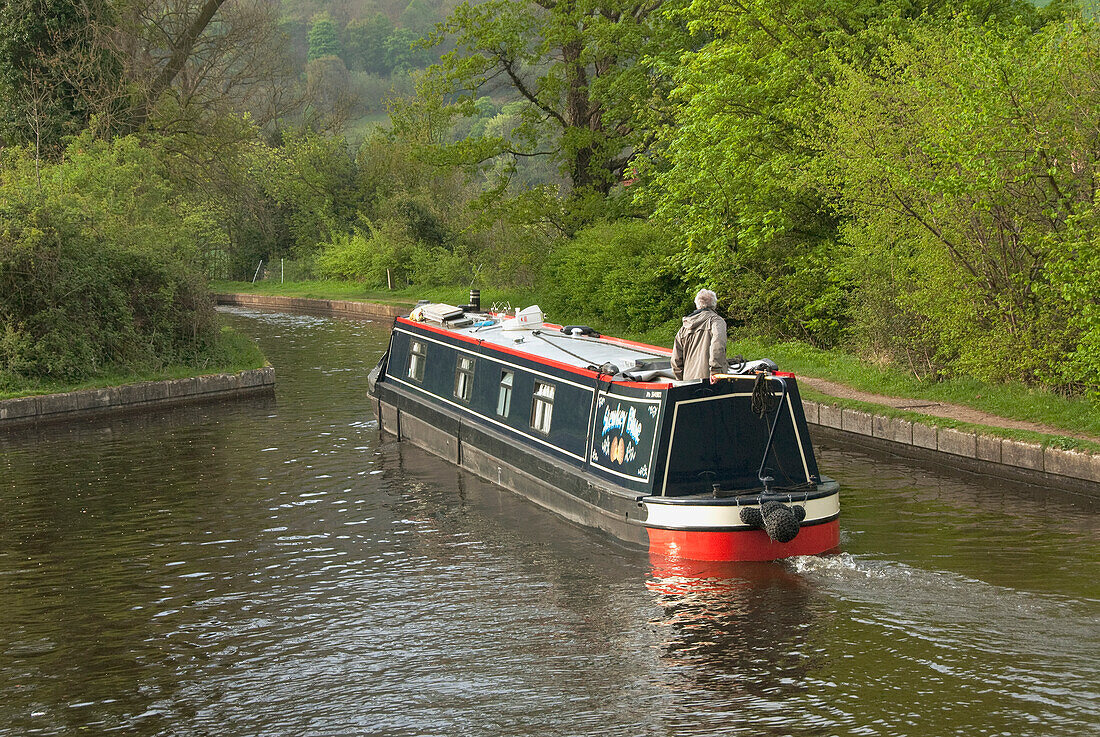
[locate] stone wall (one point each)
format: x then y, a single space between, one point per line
336 307
24 411
970 451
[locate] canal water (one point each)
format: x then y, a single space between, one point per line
277 567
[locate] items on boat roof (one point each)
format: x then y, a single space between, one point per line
529 318
438 312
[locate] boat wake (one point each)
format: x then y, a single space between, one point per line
949 609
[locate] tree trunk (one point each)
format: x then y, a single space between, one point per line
182 48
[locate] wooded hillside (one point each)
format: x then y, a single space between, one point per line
914 182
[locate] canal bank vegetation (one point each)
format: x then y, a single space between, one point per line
908 190
232 353
97 277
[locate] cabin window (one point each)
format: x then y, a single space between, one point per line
416 361
542 407
464 377
504 401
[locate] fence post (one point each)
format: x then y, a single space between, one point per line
257 271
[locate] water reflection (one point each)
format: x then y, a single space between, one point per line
735 627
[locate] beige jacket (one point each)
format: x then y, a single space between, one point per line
700 346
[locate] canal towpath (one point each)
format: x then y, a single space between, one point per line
943 410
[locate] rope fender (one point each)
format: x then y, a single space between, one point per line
781 522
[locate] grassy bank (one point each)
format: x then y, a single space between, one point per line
1072 415
233 353
356 292
1012 401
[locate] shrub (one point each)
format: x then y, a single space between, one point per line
366 255
97 267
615 275
75 306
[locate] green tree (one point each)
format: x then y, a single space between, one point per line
98 260
47 49
737 174
419 16
323 40
403 54
1075 275
366 44
313 180
616 275
968 157
575 64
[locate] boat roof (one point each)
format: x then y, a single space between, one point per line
550 342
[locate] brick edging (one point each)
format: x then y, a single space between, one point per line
43 408
971 451
338 307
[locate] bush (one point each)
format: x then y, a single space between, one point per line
366 255
615 275
74 306
96 272
967 160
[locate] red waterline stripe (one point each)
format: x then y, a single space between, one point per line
742 544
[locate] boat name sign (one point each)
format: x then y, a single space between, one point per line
627 430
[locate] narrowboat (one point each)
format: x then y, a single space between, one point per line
598 430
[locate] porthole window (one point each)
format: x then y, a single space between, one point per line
542 407
504 400
417 355
464 377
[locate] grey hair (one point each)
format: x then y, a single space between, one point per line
706 298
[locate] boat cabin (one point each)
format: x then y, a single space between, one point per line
602 406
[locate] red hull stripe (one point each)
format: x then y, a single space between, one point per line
742 544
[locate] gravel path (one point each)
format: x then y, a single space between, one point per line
937 409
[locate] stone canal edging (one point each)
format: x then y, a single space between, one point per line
24 411
338 307
970 451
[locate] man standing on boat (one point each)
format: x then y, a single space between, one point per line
700 346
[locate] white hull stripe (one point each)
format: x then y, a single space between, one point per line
682 516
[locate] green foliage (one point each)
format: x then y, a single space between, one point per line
964 155
402 53
385 253
575 67
312 178
738 177
418 16
322 38
44 45
1075 277
362 256
616 275
96 266
365 47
